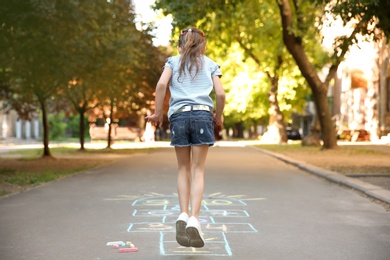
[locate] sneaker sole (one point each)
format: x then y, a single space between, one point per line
194 236
181 235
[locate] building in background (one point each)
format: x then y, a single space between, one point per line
14 127
359 96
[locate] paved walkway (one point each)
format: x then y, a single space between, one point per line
374 187
377 187
255 207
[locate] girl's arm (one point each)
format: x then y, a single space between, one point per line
220 100
161 89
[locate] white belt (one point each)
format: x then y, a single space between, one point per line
192 108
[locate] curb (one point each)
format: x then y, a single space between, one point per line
370 190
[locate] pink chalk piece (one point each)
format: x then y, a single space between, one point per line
128 249
115 246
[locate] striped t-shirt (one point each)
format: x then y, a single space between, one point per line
191 91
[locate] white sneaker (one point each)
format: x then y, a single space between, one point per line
181 235
194 233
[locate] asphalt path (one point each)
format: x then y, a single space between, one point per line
255 207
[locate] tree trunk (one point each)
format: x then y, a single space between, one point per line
276 119
238 130
46 150
276 131
82 130
318 88
109 134
328 131
313 138
109 141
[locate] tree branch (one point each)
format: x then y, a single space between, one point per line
346 43
247 51
294 46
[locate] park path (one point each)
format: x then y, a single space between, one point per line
255 207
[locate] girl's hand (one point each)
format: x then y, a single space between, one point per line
218 120
156 120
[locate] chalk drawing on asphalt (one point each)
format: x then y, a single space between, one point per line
220 215
154 194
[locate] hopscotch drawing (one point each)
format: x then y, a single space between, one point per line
220 215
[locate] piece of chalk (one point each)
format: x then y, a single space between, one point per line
128 249
115 243
128 243
115 246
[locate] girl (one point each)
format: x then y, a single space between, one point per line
192 77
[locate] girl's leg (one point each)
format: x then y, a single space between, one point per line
199 154
183 155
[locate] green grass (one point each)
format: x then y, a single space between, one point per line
3 193
25 178
71 139
31 177
30 170
35 153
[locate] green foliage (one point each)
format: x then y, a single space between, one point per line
36 58
73 126
249 52
57 125
13 96
256 26
87 51
374 14
246 88
292 92
365 17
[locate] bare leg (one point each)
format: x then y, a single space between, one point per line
183 155
199 154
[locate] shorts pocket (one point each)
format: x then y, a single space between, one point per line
178 131
204 131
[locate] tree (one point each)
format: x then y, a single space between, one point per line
373 15
36 51
77 49
101 42
262 45
131 67
14 98
91 17
258 34
296 19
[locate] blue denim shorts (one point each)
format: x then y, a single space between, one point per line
192 128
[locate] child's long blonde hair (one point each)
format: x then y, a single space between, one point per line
192 42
